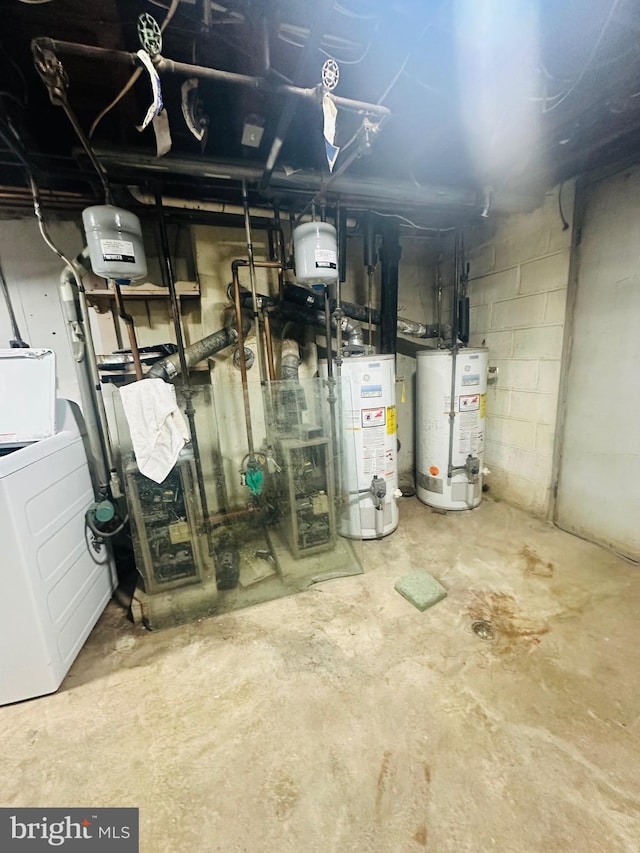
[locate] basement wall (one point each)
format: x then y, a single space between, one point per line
519 267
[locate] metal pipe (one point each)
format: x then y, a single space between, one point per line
242 359
131 330
170 283
296 297
169 66
269 345
356 190
390 252
341 243
252 279
169 367
79 349
454 354
312 44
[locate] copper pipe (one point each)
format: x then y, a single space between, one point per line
269 344
241 356
131 329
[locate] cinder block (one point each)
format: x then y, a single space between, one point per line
549 376
512 432
518 374
522 312
500 344
559 239
545 435
498 401
479 317
525 405
540 342
547 408
556 304
524 237
482 260
527 463
490 288
545 274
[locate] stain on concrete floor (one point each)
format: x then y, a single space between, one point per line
342 719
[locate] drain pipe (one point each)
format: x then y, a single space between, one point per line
252 279
390 252
131 329
187 391
243 362
100 452
454 354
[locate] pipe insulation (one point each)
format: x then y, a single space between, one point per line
168 368
296 297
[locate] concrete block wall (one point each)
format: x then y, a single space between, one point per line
519 268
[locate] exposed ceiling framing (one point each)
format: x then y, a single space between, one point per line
502 98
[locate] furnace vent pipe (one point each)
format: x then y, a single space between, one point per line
168 368
298 298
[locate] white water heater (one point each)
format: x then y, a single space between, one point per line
370 446
114 238
315 250
463 490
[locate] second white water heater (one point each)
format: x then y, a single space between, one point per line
370 446
435 432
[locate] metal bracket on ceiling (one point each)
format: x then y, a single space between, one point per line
51 71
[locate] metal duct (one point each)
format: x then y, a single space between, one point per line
170 367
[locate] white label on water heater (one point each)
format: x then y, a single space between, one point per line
117 250
469 436
374 417
373 452
326 259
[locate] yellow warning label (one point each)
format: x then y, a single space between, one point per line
391 420
483 405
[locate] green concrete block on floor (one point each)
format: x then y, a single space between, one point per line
421 589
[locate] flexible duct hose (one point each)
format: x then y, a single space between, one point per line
290 358
168 368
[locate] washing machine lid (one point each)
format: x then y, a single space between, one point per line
27 396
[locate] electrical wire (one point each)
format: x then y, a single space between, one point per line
590 58
404 63
413 224
361 57
348 13
136 74
565 224
18 71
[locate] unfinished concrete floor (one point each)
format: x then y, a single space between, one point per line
342 719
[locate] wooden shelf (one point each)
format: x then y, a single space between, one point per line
105 295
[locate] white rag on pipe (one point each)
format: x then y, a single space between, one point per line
157 426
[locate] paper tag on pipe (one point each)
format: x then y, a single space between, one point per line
161 129
330 114
156 104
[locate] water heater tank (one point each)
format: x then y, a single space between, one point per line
433 399
369 446
114 238
315 251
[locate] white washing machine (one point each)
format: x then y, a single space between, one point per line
54 585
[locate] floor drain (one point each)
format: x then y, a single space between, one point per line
483 629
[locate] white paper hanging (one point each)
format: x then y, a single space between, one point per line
330 115
156 104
